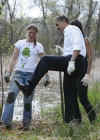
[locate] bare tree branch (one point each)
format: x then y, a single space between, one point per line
92 7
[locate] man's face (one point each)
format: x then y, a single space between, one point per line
60 25
31 34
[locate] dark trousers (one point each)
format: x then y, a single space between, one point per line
60 63
83 97
72 111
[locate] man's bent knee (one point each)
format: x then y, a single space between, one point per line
11 97
44 58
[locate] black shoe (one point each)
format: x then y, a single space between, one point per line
74 121
92 116
26 89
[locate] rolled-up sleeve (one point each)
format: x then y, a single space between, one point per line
76 40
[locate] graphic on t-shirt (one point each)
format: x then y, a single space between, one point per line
26 54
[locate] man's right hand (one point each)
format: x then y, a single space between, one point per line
71 67
7 76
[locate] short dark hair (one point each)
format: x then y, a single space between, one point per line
32 26
78 24
62 18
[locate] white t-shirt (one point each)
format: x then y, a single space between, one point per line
73 40
28 55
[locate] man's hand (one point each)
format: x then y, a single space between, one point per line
85 80
46 81
71 67
7 76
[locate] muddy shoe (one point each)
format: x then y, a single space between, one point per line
8 127
23 128
92 116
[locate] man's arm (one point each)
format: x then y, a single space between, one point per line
86 78
13 60
76 44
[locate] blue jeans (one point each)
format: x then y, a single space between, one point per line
7 115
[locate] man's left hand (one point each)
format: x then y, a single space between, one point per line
85 80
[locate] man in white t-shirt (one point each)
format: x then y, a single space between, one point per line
23 62
71 63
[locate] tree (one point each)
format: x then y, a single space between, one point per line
11 10
2 4
92 7
97 41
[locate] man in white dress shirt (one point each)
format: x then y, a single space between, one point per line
71 63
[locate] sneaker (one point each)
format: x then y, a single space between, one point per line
92 116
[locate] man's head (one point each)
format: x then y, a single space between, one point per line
61 22
31 32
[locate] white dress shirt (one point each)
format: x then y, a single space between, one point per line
73 40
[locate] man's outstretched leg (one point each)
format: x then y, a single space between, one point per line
55 63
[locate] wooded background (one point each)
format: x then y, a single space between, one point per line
12 27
